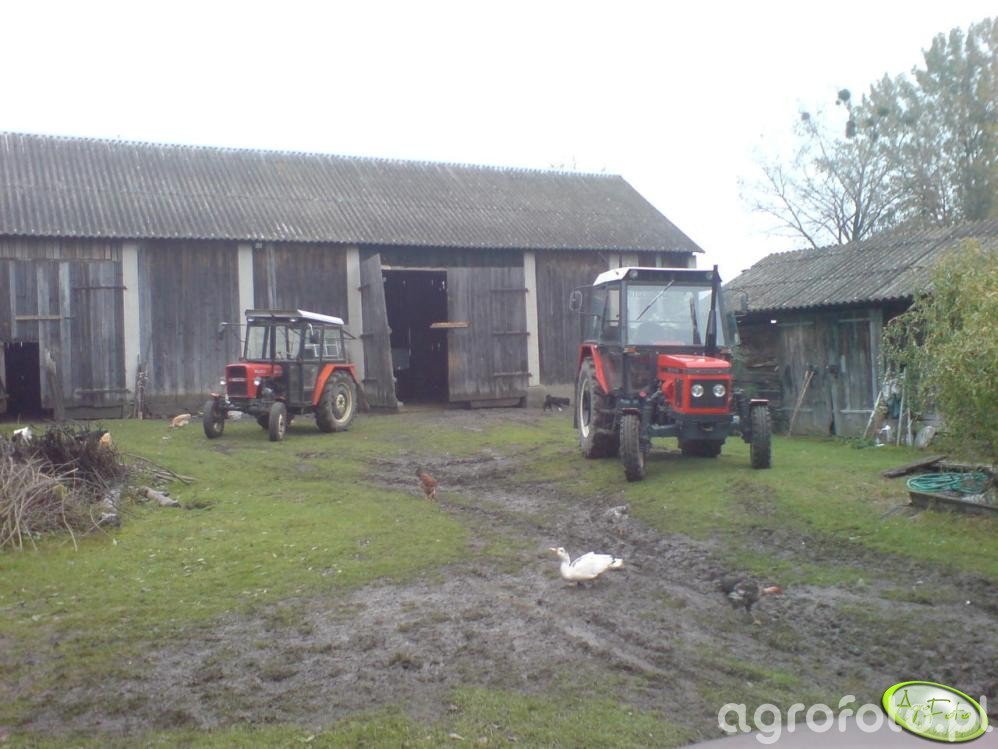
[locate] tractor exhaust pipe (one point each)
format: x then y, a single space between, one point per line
711 337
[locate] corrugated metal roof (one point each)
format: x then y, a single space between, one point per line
892 265
74 187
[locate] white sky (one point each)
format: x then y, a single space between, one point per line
676 100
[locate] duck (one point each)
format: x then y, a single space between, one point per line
586 567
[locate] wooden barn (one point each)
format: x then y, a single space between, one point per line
816 317
118 261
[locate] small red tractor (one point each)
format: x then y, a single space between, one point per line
654 362
294 362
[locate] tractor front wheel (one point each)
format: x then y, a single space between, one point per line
631 453
590 415
760 448
278 423
338 403
213 420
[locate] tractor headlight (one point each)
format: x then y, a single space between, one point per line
719 390
222 382
697 390
257 381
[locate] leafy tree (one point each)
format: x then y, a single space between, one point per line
946 347
918 149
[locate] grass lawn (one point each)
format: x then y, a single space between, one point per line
320 518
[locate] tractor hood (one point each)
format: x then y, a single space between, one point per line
691 364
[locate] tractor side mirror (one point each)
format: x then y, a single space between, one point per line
314 336
221 331
575 301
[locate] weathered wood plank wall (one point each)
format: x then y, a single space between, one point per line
560 329
185 290
301 276
46 248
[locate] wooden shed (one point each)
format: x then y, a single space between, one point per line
118 260
823 312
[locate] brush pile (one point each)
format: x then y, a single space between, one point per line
55 481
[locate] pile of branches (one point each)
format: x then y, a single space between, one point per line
55 481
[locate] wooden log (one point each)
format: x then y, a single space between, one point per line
800 401
893 473
162 499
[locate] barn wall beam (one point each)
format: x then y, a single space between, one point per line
533 335
355 315
131 311
245 272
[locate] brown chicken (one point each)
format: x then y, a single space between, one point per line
429 483
746 593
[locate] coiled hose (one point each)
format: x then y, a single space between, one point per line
972 482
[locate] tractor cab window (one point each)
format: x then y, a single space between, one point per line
611 315
287 341
332 343
669 315
256 342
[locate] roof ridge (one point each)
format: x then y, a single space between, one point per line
316 154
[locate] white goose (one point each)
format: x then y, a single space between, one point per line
587 567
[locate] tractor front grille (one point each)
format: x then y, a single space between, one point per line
236 385
708 399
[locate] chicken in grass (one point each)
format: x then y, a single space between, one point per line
586 567
428 483
745 593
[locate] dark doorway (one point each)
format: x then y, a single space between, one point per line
22 379
415 299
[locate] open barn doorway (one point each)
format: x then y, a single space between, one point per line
22 379
415 299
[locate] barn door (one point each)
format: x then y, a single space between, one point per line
93 359
379 380
855 375
487 347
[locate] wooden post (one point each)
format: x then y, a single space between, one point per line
55 387
800 400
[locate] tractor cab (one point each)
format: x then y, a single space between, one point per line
294 362
656 362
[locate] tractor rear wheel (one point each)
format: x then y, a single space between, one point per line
338 403
278 423
760 448
590 415
214 420
631 453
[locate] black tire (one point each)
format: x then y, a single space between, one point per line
263 420
213 420
760 448
631 454
338 403
701 448
278 423
591 418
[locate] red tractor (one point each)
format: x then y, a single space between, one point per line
294 362
654 362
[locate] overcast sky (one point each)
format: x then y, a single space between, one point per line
676 100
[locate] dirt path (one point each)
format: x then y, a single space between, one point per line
656 631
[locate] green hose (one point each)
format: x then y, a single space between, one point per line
973 482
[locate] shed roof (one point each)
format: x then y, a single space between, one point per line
75 187
889 266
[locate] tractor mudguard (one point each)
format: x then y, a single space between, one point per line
593 353
326 373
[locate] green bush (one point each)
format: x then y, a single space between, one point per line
947 348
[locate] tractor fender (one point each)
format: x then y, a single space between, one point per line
593 353
327 372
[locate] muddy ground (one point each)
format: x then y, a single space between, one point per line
654 634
